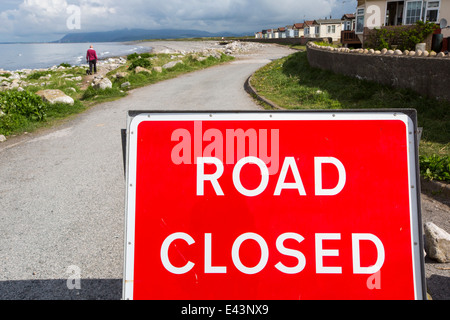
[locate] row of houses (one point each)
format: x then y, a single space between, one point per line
321 28
351 29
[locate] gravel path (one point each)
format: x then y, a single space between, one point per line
62 190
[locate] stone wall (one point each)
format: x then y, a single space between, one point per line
429 76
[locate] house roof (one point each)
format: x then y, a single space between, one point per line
348 16
309 23
329 21
299 25
281 29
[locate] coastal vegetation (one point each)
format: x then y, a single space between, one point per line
23 110
291 83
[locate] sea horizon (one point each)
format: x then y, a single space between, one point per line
44 55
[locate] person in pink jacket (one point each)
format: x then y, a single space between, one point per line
91 58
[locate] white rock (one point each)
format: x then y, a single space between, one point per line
125 84
437 243
102 84
2 138
55 96
441 55
398 52
425 54
171 64
141 69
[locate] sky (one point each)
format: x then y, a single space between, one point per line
49 20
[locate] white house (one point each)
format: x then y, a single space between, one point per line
330 28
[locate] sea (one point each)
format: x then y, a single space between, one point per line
18 56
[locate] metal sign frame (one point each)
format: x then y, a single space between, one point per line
408 116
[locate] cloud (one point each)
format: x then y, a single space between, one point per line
41 18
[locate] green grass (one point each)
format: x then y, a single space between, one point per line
14 121
292 83
190 64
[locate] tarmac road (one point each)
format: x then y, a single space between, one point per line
62 190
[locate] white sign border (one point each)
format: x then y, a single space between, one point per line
338 115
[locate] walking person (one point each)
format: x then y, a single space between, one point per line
91 58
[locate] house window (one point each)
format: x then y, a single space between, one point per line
331 29
413 11
318 30
360 20
431 10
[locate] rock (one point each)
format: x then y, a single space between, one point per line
419 53
140 69
437 243
377 52
2 138
55 96
412 53
398 52
433 54
371 51
157 69
390 52
384 51
425 54
406 52
441 55
171 64
102 83
120 75
421 46
125 84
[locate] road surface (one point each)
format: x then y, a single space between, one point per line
62 190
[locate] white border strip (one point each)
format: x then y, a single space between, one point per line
132 134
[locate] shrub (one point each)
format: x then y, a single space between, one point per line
405 37
141 62
26 104
435 167
18 109
36 75
65 65
144 55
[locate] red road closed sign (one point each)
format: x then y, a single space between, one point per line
273 206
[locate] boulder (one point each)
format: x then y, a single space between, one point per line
141 69
2 138
125 84
171 64
157 69
102 83
120 75
55 96
437 243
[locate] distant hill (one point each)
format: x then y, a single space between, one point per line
139 34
